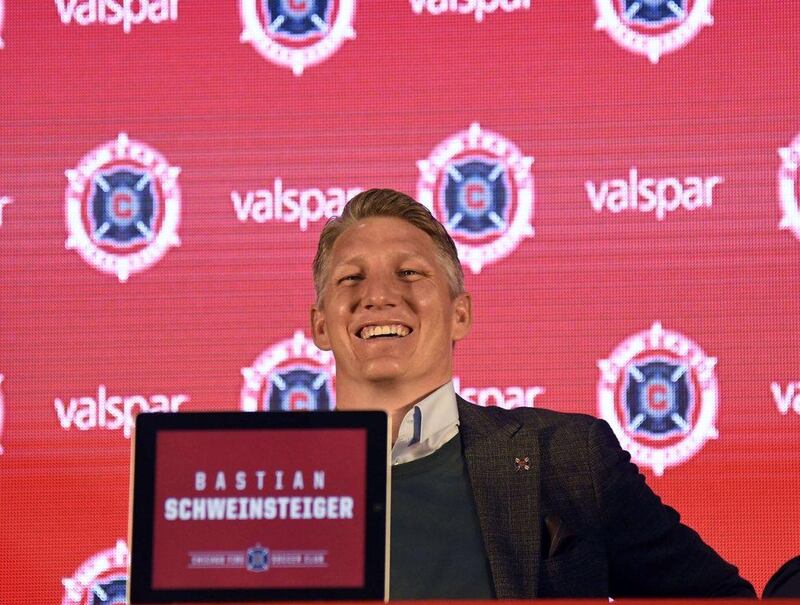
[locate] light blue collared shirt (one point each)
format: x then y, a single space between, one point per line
427 426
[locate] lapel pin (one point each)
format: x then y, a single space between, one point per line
522 464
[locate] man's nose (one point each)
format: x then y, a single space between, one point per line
379 291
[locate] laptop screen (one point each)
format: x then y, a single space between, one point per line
264 505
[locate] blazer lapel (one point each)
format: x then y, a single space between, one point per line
506 495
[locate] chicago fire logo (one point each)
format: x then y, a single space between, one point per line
123 206
297 33
479 185
787 187
658 391
101 579
652 27
257 558
292 375
4 201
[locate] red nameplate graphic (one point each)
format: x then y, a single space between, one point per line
259 509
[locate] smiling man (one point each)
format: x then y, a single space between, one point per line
485 502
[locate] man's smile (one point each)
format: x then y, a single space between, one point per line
393 330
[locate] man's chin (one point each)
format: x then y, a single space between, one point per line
383 374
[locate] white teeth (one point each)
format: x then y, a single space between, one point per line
396 329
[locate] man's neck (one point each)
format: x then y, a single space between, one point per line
395 399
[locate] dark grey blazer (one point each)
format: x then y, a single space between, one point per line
580 522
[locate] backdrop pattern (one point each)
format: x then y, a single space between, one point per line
620 177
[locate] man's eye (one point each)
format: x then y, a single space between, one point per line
408 273
349 279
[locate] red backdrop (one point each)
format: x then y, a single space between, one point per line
619 175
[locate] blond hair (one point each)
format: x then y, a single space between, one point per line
388 203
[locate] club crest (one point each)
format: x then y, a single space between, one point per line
652 28
257 558
102 579
658 391
291 375
788 187
123 206
296 33
479 185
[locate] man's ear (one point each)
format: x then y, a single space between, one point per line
319 329
462 316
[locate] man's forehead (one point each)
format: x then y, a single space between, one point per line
387 236
359 258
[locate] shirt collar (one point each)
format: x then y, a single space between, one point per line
427 426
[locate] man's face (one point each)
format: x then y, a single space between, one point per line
387 312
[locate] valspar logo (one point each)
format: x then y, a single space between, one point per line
503 397
658 391
652 28
123 207
279 203
477 8
2 412
117 12
479 185
102 578
291 375
111 412
297 33
788 187
786 396
659 196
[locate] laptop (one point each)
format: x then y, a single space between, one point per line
259 506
